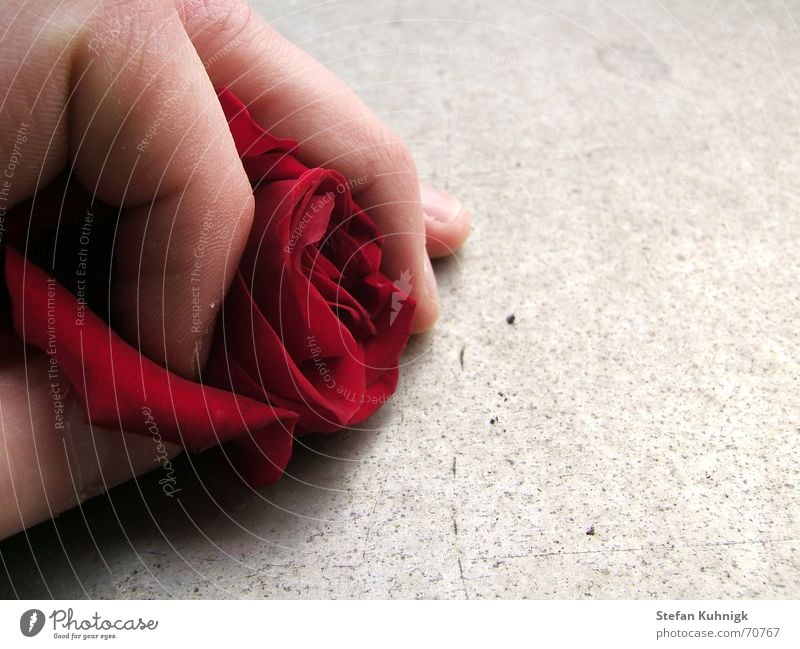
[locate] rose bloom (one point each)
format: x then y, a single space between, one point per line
310 332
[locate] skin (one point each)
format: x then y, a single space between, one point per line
92 79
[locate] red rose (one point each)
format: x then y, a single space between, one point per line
309 338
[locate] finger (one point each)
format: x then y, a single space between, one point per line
149 135
50 459
446 222
294 96
35 62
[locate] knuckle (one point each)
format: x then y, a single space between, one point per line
390 154
216 20
401 158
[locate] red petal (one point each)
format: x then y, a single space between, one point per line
120 388
251 140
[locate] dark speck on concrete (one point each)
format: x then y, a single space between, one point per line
510 319
590 531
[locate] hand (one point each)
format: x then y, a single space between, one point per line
123 93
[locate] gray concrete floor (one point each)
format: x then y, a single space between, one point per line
632 168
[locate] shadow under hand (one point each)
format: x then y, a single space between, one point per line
138 529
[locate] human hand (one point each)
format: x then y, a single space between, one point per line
122 93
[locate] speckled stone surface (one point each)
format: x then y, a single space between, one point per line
632 168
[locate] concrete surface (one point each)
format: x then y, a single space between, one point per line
633 172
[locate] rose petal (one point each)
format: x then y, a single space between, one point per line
248 339
119 387
251 140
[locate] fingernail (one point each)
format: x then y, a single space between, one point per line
430 280
438 205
